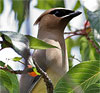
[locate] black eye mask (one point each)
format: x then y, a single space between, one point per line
61 12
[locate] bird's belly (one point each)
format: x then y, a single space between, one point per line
41 86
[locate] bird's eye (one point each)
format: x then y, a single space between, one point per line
61 12
58 13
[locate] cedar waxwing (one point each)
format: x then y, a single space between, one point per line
53 60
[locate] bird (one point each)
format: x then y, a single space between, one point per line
54 61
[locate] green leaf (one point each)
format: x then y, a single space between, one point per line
88 52
78 4
3 64
17 41
17 58
84 49
95 88
5 80
47 4
9 81
93 54
85 12
97 44
94 18
79 78
6 41
3 89
18 7
69 44
1 6
15 83
38 44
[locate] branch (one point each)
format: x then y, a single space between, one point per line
75 32
94 45
75 59
84 32
21 62
47 80
17 71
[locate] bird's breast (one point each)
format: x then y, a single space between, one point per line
51 58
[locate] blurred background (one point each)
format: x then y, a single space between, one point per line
20 15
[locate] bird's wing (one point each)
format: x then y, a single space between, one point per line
27 83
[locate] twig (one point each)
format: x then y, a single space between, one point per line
77 32
21 62
73 32
75 59
47 80
92 42
70 36
83 32
17 71
11 71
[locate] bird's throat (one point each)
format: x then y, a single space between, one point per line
57 39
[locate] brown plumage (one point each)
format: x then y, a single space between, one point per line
54 60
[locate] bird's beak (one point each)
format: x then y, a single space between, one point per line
65 19
72 15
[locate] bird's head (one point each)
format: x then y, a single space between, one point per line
56 18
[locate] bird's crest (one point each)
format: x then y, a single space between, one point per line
39 18
46 12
